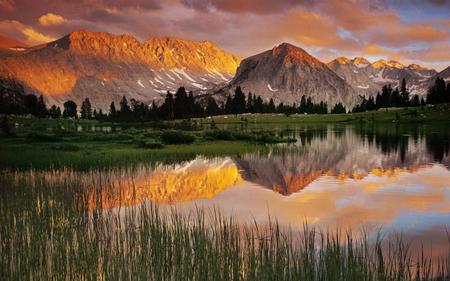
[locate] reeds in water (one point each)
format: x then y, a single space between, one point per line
47 232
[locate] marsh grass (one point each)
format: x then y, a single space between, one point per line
47 232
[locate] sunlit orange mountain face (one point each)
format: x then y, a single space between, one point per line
105 67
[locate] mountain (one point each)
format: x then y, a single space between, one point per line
105 67
368 78
445 74
286 73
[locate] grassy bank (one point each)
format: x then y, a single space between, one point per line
80 144
48 233
421 115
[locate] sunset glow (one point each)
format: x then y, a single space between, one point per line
410 31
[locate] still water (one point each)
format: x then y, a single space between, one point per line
390 178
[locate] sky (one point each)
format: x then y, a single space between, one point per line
410 31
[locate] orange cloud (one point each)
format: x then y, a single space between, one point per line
313 29
7 5
30 35
357 15
51 19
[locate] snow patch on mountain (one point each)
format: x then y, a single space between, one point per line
271 89
200 86
182 72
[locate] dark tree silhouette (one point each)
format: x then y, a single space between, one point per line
86 109
167 109
338 108
70 109
112 110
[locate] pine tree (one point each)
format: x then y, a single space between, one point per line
54 112
258 105
250 103
436 93
447 93
415 101
302 107
404 93
112 110
338 108
182 107
41 108
271 106
238 101
194 109
167 109
229 105
212 108
31 104
125 110
86 109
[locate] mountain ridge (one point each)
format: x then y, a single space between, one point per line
285 73
105 67
368 79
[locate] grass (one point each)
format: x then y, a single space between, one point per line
84 156
427 114
47 232
44 143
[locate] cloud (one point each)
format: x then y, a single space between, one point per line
314 29
247 6
13 28
323 28
7 5
51 19
435 53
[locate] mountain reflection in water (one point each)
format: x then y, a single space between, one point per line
199 178
344 155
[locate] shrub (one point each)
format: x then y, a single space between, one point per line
42 137
67 147
219 135
177 137
112 137
149 144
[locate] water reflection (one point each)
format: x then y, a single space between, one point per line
344 153
199 178
348 176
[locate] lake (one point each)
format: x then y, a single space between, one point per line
389 181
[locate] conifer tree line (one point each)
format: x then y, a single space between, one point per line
438 93
182 105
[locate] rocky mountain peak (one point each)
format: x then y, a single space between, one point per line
285 73
295 55
389 64
193 55
360 61
104 67
342 60
414 66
